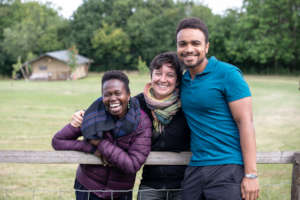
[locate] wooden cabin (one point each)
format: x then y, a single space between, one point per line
55 66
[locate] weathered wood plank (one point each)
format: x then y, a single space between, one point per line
69 157
48 157
284 157
295 192
155 158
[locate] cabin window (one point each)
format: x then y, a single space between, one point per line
43 67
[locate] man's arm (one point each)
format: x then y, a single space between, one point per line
77 118
242 113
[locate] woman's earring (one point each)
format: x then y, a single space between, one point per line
105 107
128 105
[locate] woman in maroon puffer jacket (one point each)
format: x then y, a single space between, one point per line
115 129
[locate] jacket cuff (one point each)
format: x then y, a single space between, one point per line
75 129
93 149
100 146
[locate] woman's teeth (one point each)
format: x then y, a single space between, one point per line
114 105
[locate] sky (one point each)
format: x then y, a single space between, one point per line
217 6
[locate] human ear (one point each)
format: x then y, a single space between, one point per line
207 47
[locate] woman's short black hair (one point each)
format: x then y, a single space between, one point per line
167 57
194 23
116 74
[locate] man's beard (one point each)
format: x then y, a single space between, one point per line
198 63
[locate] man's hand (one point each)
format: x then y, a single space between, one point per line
250 188
77 118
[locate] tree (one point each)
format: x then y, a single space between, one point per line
264 36
90 17
17 67
111 47
8 17
36 31
85 20
73 52
151 29
142 66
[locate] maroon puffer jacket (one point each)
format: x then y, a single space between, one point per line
127 154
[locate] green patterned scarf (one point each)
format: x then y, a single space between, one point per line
162 110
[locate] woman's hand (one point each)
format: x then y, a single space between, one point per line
77 118
104 161
94 142
98 154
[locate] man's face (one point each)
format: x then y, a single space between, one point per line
191 47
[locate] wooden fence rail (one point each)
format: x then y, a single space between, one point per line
155 158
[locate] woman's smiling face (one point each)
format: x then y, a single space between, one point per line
115 97
163 81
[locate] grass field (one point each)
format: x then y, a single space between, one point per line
31 112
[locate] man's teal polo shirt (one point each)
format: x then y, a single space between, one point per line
215 137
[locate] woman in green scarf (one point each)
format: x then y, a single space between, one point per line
160 100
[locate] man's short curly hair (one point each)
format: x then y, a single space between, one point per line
194 23
167 57
116 74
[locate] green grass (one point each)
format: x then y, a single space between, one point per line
31 112
276 108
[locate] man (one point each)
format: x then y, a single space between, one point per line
217 104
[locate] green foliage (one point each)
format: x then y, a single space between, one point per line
142 66
16 67
262 37
73 52
86 19
29 27
111 47
36 32
6 63
25 68
30 56
152 29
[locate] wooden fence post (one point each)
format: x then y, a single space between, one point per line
295 195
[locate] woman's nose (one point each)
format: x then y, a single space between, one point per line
113 97
163 78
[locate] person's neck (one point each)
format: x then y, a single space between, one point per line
198 69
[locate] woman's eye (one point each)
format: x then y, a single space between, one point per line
171 75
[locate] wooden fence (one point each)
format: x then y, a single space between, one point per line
155 158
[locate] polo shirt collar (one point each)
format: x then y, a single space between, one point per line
209 68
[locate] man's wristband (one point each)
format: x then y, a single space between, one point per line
251 176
